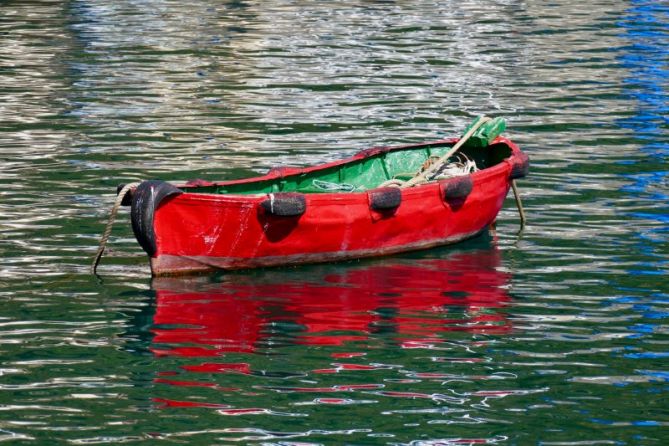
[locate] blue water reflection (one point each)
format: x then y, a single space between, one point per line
646 57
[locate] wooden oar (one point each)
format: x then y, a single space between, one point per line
422 176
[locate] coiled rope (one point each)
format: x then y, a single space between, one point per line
425 175
112 216
328 186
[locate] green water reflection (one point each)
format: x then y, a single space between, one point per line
557 335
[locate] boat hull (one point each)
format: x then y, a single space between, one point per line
198 232
166 264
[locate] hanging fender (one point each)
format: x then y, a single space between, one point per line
456 188
145 200
385 199
520 166
284 204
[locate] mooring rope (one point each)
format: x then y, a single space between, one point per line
421 177
519 204
112 216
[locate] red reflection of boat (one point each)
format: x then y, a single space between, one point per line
412 300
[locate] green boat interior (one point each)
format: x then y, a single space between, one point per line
364 174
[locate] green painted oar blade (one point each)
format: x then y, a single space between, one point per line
485 134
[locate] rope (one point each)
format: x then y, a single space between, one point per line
333 187
519 204
112 216
422 177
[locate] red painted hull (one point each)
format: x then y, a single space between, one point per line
201 232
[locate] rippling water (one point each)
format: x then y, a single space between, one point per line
555 335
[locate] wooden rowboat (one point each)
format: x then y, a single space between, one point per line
330 212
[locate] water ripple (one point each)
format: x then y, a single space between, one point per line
552 335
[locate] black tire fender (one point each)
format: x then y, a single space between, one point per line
520 166
385 199
285 204
145 200
457 188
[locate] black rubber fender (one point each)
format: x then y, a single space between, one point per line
385 198
457 188
285 204
146 199
520 166
127 200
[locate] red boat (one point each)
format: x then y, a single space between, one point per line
331 212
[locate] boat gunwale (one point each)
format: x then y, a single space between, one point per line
279 173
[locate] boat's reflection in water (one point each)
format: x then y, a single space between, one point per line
415 301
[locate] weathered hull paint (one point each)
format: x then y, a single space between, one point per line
197 232
175 265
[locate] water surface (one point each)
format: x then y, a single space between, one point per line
555 335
